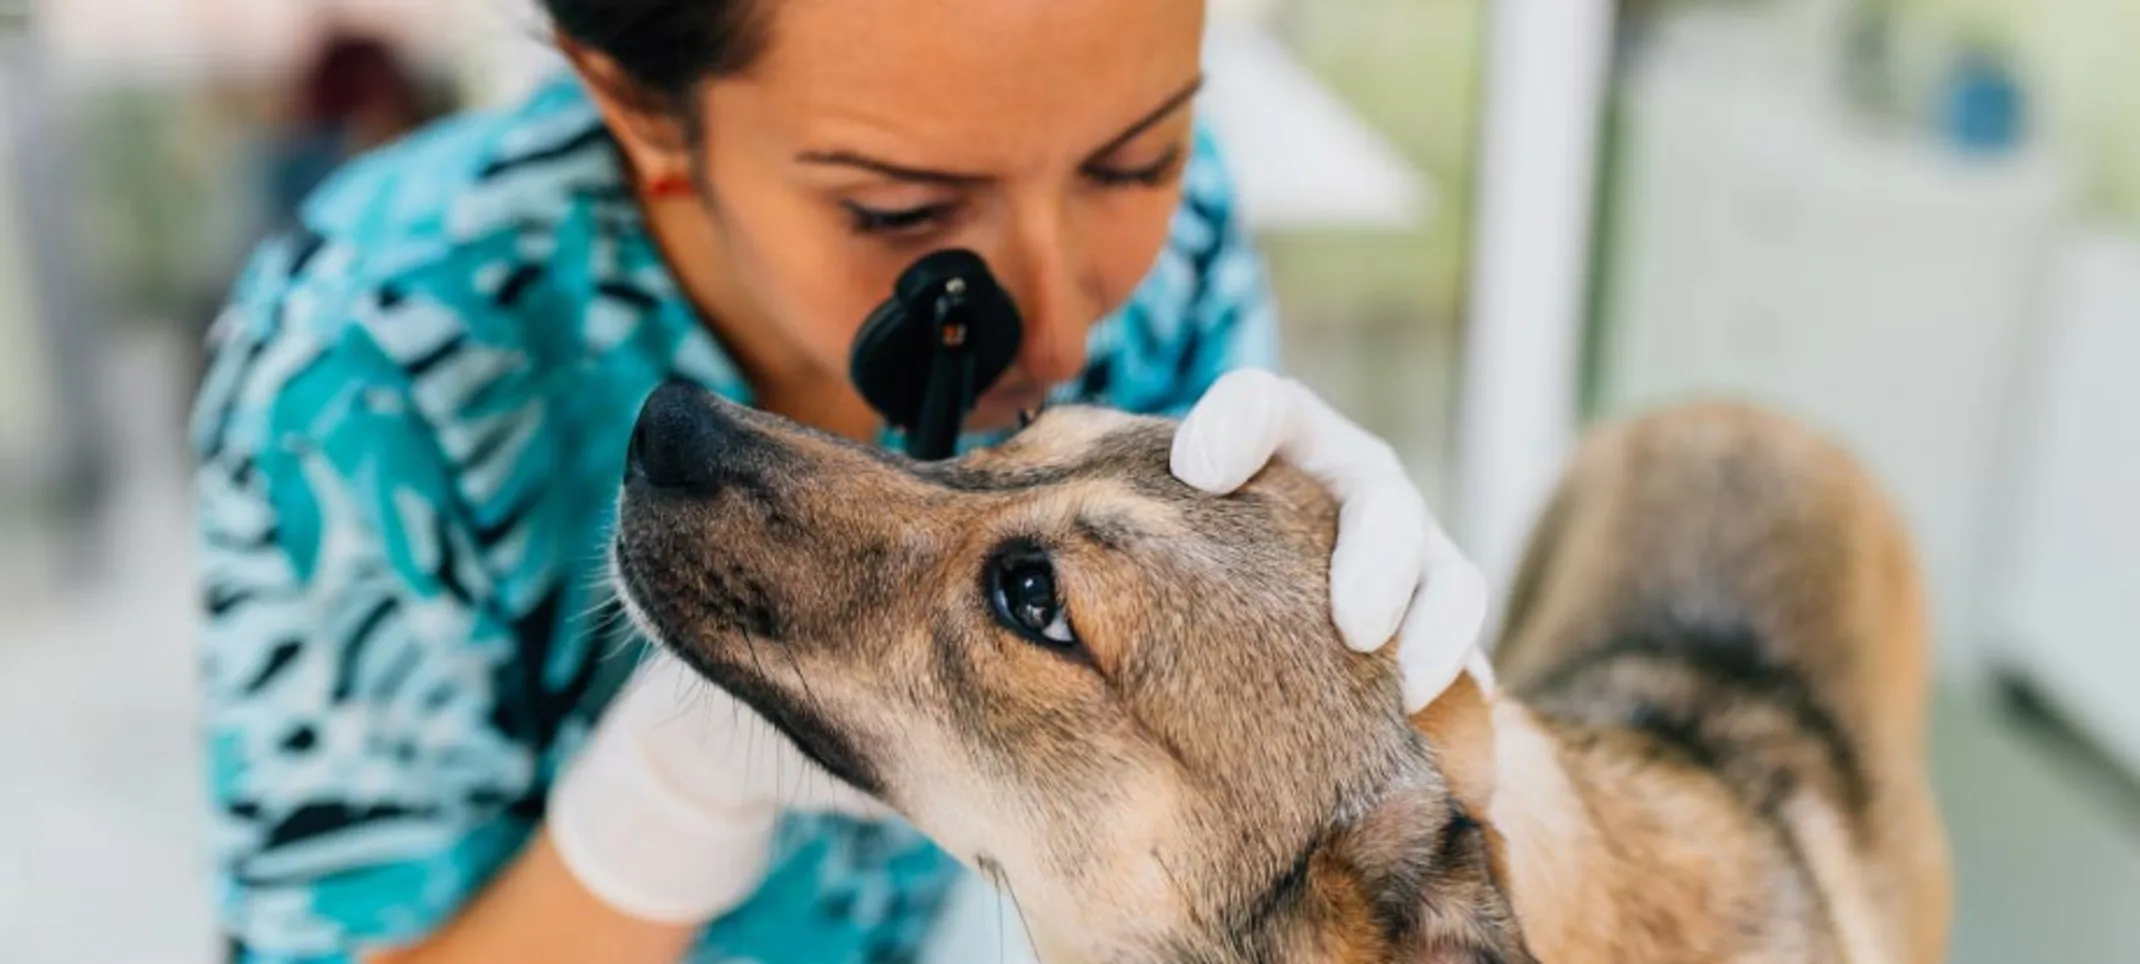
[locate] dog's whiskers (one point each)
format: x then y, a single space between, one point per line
809 695
750 645
620 643
994 872
611 626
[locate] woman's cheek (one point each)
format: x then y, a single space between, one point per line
1129 231
829 283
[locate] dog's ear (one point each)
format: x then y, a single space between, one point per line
1427 864
1459 728
1428 886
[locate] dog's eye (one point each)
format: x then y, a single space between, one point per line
1022 592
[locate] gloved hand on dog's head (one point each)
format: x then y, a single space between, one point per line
1395 573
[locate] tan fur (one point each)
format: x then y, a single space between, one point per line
1209 776
1727 513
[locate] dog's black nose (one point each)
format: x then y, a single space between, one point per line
684 439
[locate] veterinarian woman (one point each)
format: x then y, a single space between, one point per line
413 432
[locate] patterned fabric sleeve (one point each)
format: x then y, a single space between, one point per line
362 782
1233 308
1206 309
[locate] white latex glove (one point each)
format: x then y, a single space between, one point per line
668 813
1395 572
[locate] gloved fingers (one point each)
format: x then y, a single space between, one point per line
1344 457
1379 560
1233 431
1251 416
1440 636
1394 571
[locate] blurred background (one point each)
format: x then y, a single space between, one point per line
1914 222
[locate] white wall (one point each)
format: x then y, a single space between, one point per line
1546 64
1766 248
2065 595
172 38
24 412
189 38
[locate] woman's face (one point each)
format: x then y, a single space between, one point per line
1048 136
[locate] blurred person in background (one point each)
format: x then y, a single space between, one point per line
412 436
356 95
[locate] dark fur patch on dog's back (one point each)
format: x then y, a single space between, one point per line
1713 700
1697 582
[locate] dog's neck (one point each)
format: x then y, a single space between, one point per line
1604 862
1552 843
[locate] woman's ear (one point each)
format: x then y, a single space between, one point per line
652 127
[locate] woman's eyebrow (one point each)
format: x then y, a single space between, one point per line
901 172
1165 109
897 172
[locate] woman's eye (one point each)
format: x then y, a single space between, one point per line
868 220
1023 594
1154 174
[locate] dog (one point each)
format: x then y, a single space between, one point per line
1124 701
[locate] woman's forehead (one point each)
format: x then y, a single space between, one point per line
941 81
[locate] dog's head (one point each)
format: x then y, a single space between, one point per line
1122 698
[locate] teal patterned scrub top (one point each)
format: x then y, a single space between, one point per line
408 447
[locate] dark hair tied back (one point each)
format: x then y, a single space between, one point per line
667 46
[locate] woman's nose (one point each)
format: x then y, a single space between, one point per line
1048 277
